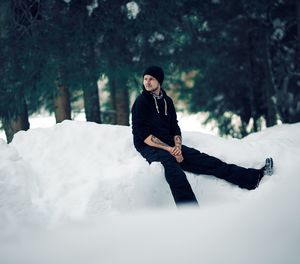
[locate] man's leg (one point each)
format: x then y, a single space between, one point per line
201 163
175 176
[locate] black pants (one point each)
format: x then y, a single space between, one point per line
199 163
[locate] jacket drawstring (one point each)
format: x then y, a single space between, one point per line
156 105
166 107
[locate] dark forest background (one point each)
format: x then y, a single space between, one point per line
233 58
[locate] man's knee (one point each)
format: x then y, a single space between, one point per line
174 173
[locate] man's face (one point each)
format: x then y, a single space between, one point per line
151 84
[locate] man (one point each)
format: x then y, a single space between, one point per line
157 137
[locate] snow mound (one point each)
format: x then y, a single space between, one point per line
87 183
84 169
75 169
17 187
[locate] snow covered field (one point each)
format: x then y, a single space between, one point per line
78 192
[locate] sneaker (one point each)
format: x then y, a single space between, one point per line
268 168
265 170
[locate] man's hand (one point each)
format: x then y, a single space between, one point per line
179 158
157 143
176 152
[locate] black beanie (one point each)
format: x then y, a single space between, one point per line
156 72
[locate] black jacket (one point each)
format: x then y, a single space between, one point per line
148 120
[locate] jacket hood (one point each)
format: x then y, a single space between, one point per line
154 98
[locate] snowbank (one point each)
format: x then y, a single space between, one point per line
104 204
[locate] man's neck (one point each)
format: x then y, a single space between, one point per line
157 91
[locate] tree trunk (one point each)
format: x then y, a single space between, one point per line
92 103
113 100
119 100
122 105
252 81
62 100
269 84
298 27
90 88
18 121
4 18
62 104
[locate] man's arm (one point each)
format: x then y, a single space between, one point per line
178 141
153 141
177 148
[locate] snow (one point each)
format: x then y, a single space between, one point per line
132 9
78 192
